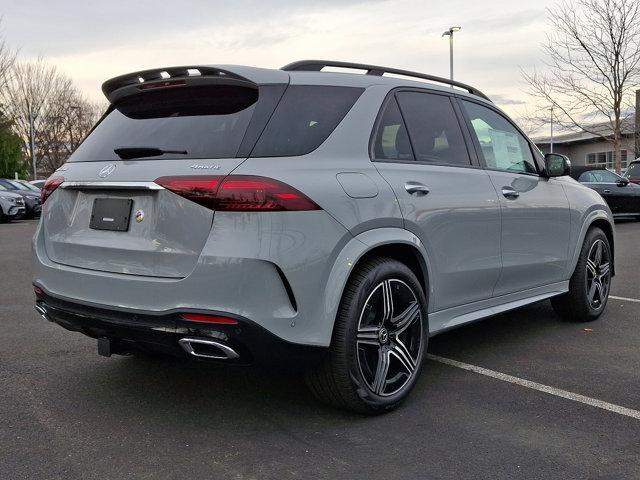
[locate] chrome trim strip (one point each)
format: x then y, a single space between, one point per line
230 353
112 185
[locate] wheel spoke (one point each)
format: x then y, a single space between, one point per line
400 351
599 290
405 319
387 301
598 254
604 269
592 290
368 335
591 268
380 379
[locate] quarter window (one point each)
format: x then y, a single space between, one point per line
433 128
392 141
503 147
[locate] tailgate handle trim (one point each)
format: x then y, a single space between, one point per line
112 185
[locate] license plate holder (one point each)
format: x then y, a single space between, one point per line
111 214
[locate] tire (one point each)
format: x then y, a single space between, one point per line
3 217
585 302
366 334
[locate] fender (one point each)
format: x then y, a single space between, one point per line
587 221
349 256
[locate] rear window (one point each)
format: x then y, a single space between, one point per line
304 118
207 121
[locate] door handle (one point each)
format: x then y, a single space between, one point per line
415 188
510 192
606 191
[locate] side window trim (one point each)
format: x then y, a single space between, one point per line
476 144
475 160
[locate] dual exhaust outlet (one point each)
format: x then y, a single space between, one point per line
207 348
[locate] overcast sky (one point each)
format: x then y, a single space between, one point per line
94 40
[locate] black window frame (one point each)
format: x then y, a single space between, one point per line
473 156
538 160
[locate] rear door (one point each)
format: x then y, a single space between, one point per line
111 215
535 210
446 200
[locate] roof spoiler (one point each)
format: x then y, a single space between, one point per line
318 65
170 77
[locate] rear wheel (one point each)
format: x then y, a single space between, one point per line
590 283
379 340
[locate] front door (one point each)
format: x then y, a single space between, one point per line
535 210
447 202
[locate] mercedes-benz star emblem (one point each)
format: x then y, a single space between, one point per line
106 171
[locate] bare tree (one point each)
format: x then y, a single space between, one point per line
62 116
7 59
592 67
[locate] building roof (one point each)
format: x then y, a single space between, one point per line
596 132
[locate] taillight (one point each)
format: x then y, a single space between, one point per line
239 193
49 186
201 317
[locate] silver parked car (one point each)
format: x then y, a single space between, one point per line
11 205
331 220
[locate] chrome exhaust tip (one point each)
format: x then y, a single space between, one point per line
43 312
205 348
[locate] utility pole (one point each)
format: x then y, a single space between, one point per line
32 144
449 33
551 142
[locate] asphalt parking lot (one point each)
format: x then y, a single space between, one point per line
67 413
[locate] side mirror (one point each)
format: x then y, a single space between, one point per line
623 182
557 165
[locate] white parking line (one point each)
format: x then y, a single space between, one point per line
627 299
538 386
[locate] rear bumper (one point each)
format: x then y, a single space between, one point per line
163 332
273 271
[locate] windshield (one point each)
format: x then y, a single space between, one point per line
28 186
18 185
633 170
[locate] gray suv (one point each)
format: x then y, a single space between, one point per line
328 220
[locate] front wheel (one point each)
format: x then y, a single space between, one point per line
590 283
379 340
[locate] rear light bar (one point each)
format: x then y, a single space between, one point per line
49 186
238 193
201 317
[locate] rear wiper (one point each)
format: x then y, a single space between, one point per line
127 153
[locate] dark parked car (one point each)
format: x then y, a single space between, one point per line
633 172
31 198
622 196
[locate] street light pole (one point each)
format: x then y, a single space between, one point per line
551 141
32 144
449 33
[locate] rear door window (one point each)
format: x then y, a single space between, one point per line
205 121
304 118
433 128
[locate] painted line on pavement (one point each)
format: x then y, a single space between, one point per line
576 397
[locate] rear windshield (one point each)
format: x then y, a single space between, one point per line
205 121
211 122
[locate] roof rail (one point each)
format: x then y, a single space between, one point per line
318 65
